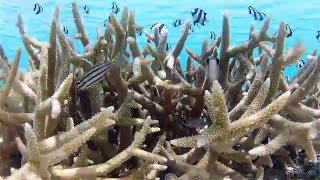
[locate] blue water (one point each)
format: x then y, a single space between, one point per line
303 18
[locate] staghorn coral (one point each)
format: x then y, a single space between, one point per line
146 118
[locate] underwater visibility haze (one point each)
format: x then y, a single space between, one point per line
159 89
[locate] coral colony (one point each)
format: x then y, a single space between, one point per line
138 115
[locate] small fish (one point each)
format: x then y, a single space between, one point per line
177 23
86 9
107 21
37 8
139 32
115 8
191 29
160 27
168 46
94 75
289 30
212 35
257 15
65 30
199 16
301 63
318 35
139 29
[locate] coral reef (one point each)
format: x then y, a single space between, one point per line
144 117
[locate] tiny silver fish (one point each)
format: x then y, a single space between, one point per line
95 75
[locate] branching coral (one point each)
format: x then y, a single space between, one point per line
146 118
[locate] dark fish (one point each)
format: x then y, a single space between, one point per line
212 35
95 75
160 27
301 63
37 8
177 23
257 15
65 30
318 36
115 8
168 46
199 16
86 9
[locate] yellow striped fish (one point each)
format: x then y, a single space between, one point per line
95 75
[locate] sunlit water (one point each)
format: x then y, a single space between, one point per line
303 17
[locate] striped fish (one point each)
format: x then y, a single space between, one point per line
318 35
95 75
301 63
161 27
199 16
257 15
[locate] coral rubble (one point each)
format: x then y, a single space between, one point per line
144 117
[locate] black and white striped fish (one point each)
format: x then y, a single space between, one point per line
168 46
37 8
95 75
199 16
318 35
115 8
65 29
289 31
161 27
191 28
139 30
107 21
256 14
177 23
212 35
301 63
86 9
